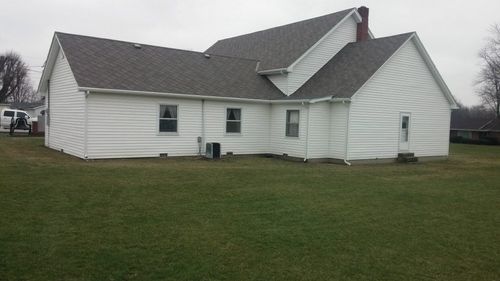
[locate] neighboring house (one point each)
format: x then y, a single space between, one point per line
475 128
322 88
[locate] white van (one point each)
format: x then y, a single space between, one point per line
7 115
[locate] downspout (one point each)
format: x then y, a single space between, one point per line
202 126
85 125
347 135
47 112
307 134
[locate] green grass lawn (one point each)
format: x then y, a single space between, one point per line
246 218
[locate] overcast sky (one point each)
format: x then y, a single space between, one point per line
451 31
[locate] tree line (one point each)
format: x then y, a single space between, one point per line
488 81
15 84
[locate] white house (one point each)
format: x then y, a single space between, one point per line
322 88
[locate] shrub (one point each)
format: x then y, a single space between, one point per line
481 140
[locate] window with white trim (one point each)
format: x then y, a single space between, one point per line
292 123
168 119
233 120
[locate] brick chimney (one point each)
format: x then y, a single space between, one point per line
362 33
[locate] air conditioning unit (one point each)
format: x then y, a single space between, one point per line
213 150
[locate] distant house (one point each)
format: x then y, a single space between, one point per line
318 89
475 128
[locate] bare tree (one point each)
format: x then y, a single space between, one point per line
475 112
14 80
25 93
488 83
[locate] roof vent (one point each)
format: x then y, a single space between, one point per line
137 46
207 56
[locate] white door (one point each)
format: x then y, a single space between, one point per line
404 132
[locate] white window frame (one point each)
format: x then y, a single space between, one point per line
225 123
158 119
286 123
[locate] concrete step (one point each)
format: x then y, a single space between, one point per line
407 158
406 154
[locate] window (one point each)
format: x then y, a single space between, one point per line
21 114
8 113
233 120
168 119
465 134
404 128
292 123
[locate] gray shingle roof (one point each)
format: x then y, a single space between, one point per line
111 64
467 122
27 105
350 68
492 125
280 46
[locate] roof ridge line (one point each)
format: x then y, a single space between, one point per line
154 46
304 20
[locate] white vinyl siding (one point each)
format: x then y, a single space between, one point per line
254 136
126 126
122 126
280 143
317 57
319 130
403 85
280 81
67 107
338 130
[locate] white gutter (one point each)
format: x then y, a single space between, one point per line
185 96
342 100
274 71
329 98
347 135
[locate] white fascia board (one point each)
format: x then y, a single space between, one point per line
49 64
327 98
273 71
370 33
341 99
184 96
51 61
357 16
